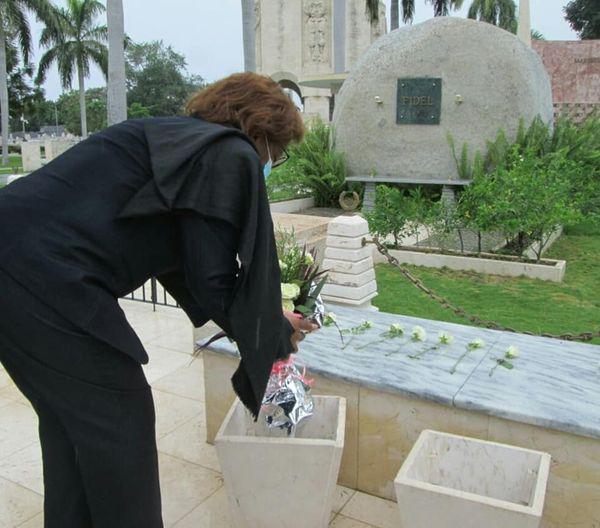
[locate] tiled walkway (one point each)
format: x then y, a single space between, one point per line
192 487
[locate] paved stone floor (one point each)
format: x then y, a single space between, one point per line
192 487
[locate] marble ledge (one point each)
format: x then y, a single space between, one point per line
554 383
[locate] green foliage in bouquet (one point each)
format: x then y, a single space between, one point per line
302 279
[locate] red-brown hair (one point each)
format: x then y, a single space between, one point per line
252 103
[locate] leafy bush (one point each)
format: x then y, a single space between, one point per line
399 212
526 200
390 214
314 166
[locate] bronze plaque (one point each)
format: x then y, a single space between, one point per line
419 101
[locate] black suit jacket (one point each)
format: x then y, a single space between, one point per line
98 221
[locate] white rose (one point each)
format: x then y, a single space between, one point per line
396 329
512 352
419 334
290 291
309 260
288 305
476 343
445 338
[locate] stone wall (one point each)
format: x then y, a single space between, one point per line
574 69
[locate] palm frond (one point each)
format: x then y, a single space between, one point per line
372 10
408 11
17 20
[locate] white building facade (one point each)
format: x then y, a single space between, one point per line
308 46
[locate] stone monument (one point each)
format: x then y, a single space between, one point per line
418 84
313 41
31 155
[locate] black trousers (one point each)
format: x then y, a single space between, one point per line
96 417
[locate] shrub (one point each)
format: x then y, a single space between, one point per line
399 212
526 200
390 214
315 167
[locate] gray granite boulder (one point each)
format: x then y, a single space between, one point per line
490 79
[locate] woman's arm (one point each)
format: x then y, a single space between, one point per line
210 267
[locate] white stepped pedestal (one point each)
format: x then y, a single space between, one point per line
349 262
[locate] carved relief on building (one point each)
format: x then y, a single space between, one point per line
317 31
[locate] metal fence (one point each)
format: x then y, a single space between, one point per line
153 293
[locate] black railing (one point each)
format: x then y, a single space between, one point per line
149 293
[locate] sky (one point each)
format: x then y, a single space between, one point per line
209 33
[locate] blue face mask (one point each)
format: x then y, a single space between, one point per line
269 165
267 168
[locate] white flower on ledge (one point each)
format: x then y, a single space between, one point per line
445 338
512 352
476 344
329 319
309 259
418 334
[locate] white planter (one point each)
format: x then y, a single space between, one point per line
554 272
450 481
292 206
274 481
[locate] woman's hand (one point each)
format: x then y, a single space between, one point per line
301 326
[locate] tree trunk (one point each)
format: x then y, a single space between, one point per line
3 96
117 91
394 15
249 31
82 108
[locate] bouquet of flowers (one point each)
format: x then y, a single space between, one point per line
301 278
288 401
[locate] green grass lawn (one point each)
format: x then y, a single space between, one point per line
14 162
521 303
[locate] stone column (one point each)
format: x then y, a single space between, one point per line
524 28
448 195
31 155
369 196
351 275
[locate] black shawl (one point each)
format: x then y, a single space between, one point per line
255 315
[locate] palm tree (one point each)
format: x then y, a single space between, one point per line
14 27
117 90
501 13
73 42
440 8
249 30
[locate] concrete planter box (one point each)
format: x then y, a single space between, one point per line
448 481
274 480
554 271
292 206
